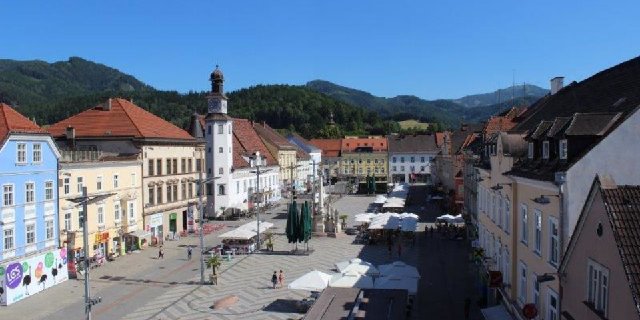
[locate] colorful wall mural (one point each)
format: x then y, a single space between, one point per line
21 278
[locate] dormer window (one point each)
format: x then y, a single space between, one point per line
563 149
545 149
530 151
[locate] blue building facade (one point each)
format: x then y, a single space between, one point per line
29 231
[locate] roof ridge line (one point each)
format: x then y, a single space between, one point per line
4 115
127 113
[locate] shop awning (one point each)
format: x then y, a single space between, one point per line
139 234
496 313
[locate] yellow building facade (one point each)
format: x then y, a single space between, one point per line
112 221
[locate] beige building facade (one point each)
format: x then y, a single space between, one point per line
170 174
497 232
110 221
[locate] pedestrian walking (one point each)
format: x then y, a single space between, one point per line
189 252
160 253
399 249
390 245
281 279
274 279
431 231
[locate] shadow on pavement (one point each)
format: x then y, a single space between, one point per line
447 277
284 306
107 278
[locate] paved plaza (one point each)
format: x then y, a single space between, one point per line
139 286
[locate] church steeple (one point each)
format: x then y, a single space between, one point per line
217 101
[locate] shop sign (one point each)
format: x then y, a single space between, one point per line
105 236
30 276
155 220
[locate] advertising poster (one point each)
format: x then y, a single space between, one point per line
21 278
191 219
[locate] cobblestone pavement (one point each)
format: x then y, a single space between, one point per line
139 286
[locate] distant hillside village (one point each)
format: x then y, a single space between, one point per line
534 184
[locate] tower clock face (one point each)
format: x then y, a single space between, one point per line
214 105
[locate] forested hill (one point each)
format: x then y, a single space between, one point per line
38 82
50 92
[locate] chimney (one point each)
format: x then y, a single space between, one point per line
556 84
107 106
264 124
71 133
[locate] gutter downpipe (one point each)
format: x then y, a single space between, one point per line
560 182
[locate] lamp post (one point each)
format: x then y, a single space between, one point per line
200 184
257 160
293 184
85 201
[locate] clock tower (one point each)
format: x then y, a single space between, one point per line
219 152
217 101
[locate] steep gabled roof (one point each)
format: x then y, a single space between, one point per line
119 118
622 208
13 122
303 143
611 90
272 136
248 142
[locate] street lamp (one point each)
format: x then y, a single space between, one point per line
200 184
293 185
84 201
257 161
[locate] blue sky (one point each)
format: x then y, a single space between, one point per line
432 49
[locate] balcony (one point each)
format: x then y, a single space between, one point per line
80 155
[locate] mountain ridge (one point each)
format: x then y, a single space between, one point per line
445 111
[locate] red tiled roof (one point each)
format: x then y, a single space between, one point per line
248 142
123 119
274 138
498 123
13 122
439 138
245 142
329 147
469 139
351 144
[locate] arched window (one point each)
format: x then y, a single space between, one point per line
220 170
220 150
221 190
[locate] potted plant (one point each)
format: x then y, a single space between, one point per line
213 263
344 217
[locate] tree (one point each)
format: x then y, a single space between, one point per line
213 263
